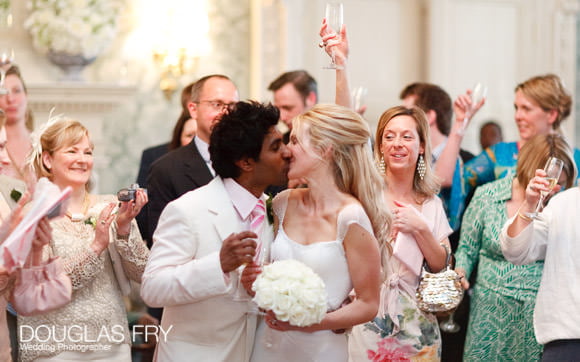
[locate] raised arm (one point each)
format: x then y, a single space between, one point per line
445 165
339 45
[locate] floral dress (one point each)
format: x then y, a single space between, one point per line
402 332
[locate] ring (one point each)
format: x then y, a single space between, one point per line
103 222
321 44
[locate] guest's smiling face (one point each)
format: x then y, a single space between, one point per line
70 165
401 144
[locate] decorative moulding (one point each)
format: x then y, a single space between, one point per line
78 97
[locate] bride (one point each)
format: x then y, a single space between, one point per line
330 227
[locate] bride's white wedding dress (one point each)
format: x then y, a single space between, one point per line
328 260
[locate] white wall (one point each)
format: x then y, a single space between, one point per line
453 43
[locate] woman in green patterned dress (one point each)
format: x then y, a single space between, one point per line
500 319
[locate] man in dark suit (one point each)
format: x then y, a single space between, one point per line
189 167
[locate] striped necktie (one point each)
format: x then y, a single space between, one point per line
256 222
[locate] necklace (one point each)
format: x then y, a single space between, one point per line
80 216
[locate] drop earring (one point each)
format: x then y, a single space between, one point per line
381 165
421 167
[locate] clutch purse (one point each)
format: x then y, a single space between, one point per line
439 292
41 289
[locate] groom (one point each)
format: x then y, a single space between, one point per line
204 236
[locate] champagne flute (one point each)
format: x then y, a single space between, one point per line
334 19
6 59
478 92
553 170
449 325
358 97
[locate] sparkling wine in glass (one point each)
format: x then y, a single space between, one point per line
334 19
478 92
553 170
6 59
449 325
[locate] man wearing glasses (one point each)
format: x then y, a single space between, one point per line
189 167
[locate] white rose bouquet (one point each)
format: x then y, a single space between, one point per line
293 291
74 27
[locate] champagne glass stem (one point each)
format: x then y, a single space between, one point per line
540 203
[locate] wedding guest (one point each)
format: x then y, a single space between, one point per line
400 330
18 118
500 318
553 238
100 249
490 133
541 105
294 92
330 227
190 167
205 235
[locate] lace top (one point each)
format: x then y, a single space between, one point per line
326 258
96 316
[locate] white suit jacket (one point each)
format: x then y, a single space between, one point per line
184 276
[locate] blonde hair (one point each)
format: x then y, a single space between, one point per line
549 93
59 132
346 134
535 153
428 186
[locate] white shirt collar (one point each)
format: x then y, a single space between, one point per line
203 149
244 201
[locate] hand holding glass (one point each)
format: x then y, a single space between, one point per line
553 169
334 20
478 92
261 258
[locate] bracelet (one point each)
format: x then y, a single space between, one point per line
524 217
119 236
123 237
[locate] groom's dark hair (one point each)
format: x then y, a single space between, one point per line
240 134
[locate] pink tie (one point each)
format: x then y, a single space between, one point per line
256 222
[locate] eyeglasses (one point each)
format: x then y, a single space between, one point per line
219 105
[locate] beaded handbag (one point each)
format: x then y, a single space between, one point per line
439 292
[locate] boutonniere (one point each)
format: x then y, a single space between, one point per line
91 220
15 195
269 211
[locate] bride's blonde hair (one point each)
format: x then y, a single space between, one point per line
347 135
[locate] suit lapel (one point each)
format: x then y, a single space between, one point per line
222 209
195 167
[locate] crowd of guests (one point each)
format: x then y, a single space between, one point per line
347 202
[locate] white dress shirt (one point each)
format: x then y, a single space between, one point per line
553 237
203 149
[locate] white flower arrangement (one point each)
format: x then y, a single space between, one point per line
293 291
74 27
